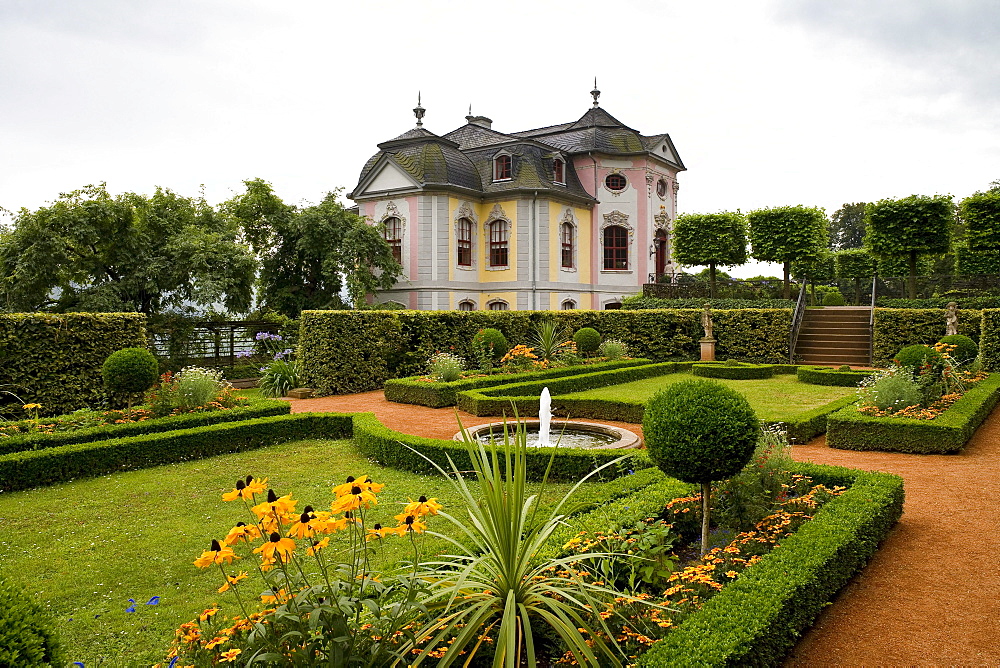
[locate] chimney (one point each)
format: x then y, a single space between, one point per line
481 121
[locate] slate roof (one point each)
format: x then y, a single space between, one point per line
463 158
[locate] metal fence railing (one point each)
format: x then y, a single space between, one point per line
215 344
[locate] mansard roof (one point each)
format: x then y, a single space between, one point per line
463 158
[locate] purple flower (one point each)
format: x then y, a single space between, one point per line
244 353
131 608
153 601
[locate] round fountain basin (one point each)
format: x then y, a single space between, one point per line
567 434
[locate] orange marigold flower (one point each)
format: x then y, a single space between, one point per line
423 506
210 612
231 655
216 555
215 642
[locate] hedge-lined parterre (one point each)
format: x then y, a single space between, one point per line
824 375
740 371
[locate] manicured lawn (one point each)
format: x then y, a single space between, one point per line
774 399
84 548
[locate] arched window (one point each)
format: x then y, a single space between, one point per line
499 305
568 305
615 247
566 234
393 233
466 305
502 168
615 182
612 306
558 171
463 235
498 243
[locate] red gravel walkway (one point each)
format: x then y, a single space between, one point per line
930 596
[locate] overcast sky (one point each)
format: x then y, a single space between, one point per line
769 103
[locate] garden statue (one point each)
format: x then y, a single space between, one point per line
706 321
951 319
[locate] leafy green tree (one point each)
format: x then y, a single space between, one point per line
89 251
981 212
818 268
712 239
973 263
908 227
310 255
847 226
856 264
788 234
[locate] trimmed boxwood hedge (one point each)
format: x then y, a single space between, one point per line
27 634
989 341
810 424
848 429
741 372
413 390
354 351
55 359
757 618
825 375
38 440
896 328
34 468
501 399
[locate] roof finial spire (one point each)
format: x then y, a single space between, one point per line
419 112
595 93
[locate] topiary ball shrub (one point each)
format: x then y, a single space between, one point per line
918 355
844 367
965 350
491 339
130 371
834 299
699 431
587 340
732 362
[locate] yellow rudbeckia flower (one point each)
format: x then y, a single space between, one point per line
216 555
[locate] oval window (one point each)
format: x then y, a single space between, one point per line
615 182
661 188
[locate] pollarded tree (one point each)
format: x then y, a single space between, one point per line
711 239
981 212
974 263
908 227
856 264
90 251
818 268
788 234
700 431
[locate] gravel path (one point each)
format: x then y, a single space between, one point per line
930 596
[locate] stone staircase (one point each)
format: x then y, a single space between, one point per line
835 335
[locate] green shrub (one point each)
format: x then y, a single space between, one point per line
613 350
915 357
892 389
844 367
130 371
966 349
53 359
279 378
834 298
699 431
989 344
751 495
738 372
965 303
587 339
732 362
27 634
493 341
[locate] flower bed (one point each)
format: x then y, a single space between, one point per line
423 391
851 429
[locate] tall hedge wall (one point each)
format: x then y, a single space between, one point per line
989 340
354 351
55 359
896 328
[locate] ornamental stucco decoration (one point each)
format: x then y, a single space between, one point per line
496 213
662 220
392 211
616 217
466 211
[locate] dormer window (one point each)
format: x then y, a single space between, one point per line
559 171
502 168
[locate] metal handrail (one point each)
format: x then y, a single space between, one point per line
797 315
871 323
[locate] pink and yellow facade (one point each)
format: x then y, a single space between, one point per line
562 217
